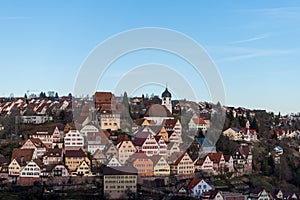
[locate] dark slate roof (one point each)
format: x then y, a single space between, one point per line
123 170
166 93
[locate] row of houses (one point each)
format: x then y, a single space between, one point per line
243 134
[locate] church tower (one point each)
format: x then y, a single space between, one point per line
166 99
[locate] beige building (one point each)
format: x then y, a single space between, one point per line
182 164
15 167
83 169
160 166
73 159
37 145
204 164
31 170
233 134
118 180
125 150
109 120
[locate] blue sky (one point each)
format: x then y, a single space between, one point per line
254 44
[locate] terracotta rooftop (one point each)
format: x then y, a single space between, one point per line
26 154
193 183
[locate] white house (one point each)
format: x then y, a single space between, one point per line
73 140
197 187
96 140
112 161
32 170
197 123
89 129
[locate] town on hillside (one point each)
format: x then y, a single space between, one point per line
109 147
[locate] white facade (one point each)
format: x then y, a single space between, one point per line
125 150
73 140
198 189
31 170
113 162
166 100
88 129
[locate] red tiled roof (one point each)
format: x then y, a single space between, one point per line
26 154
193 183
37 142
215 157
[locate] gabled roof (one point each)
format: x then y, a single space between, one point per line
156 158
49 129
177 161
193 183
215 157
170 133
157 138
26 154
36 142
170 123
140 138
200 161
108 146
81 164
99 154
75 153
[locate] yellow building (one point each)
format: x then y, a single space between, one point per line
182 164
161 166
163 132
15 167
125 149
73 158
109 120
83 169
118 180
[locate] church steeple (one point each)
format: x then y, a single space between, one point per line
166 99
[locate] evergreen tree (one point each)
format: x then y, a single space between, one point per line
56 95
25 96
242 122
254 125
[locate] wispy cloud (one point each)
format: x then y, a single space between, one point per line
277 12
232 53
15 18
255 38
